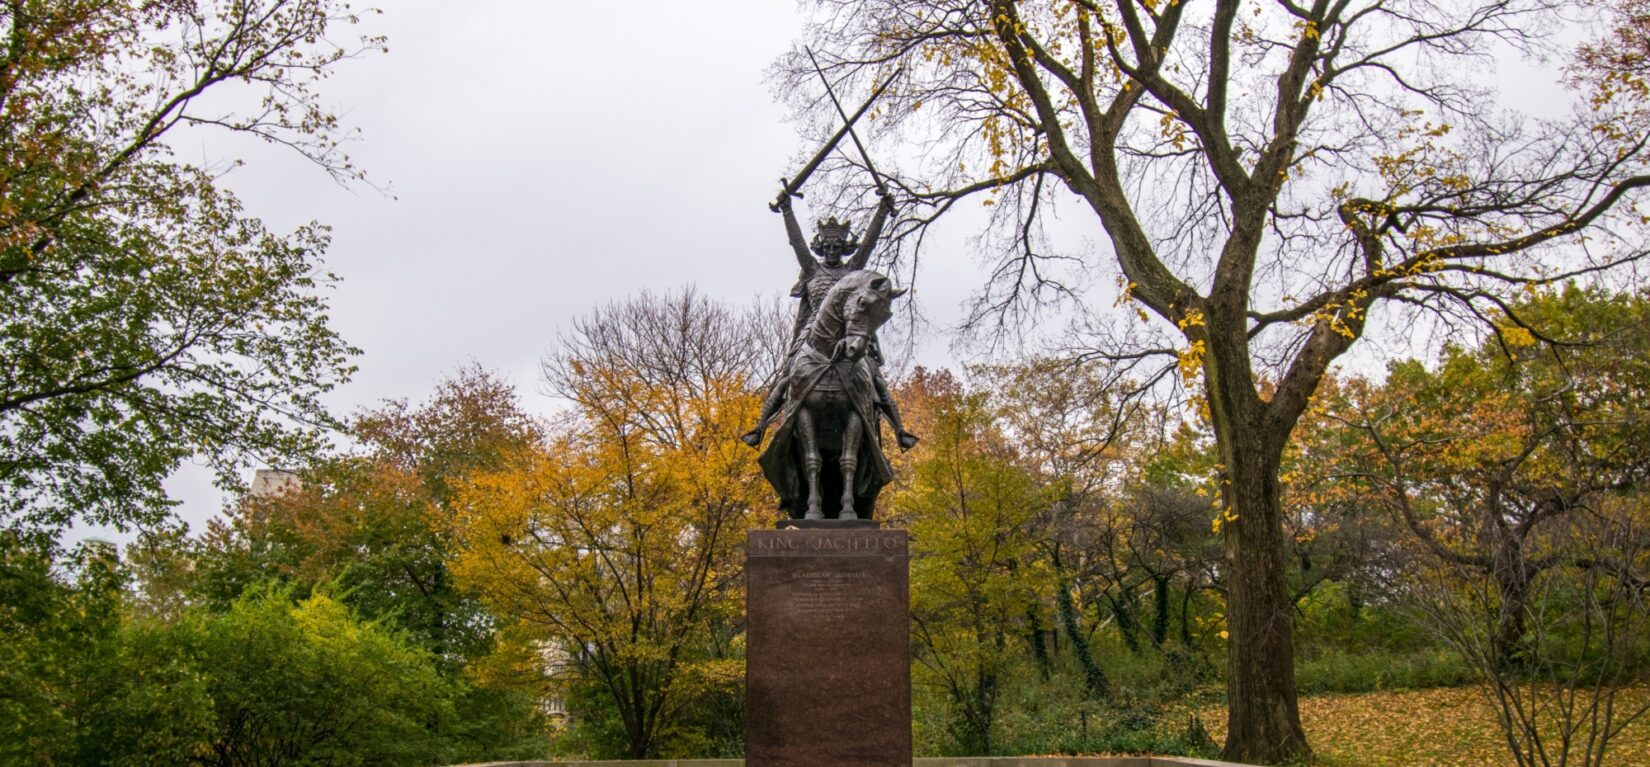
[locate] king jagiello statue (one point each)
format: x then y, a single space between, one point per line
832 241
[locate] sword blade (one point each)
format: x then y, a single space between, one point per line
864 155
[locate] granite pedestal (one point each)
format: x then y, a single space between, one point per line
827 648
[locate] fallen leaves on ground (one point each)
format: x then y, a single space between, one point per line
1441 727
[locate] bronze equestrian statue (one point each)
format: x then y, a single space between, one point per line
832 241
831 395
831 406
807 426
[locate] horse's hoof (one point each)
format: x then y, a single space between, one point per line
847 514
814 514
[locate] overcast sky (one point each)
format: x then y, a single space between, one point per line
543 158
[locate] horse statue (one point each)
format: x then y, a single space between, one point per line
831 408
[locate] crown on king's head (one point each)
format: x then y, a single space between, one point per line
833 236
831 227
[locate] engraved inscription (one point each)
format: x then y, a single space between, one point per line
829 596
854 543
804 543
828 649
774 543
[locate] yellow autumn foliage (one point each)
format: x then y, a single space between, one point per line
616 543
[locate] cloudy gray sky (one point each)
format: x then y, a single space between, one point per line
543 158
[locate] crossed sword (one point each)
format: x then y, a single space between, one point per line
793 187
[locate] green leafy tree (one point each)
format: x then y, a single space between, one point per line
375 522
89 680
145 317
1481 457
311 684
83 685
164 566
1520 470
373 526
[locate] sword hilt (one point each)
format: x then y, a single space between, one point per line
785 191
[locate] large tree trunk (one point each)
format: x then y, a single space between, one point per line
1512 572
1263 716
1508 647
1512 575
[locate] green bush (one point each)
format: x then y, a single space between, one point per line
1051 716
308 683
1348 646
82 686
1335 614
266 682
1373 670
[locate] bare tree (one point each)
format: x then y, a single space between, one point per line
1586 620
1518 477
620 358
1266 174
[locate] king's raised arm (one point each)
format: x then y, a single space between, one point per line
873 232
799 242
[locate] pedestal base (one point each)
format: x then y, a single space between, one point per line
827 649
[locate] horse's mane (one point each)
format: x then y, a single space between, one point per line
858 279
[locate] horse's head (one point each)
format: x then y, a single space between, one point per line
851 312
866 308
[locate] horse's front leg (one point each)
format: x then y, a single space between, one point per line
810 459
851 430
